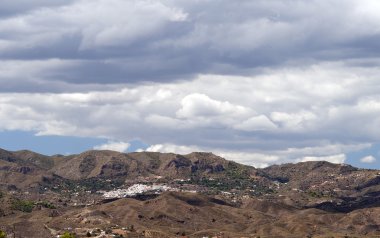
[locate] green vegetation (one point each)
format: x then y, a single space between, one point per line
67 235
91 184
235 177
95 184
216 185
27 206
3 234
46 204
237 171
24 206
315 194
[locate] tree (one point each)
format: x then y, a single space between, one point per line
67 235
3 234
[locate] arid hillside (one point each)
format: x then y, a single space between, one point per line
111 194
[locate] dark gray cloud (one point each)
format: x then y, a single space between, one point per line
161 41
10 7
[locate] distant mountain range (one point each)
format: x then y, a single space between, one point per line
211 195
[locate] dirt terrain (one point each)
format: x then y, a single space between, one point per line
44 196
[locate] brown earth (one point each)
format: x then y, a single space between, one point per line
310 199
177 213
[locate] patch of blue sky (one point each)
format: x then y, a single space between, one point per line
47 145
137 145
354 158
50 145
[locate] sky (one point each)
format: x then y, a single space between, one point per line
259 82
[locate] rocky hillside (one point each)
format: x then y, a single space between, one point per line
33 168
211 195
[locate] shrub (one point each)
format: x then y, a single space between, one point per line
46 205
24 206
315 194
67 235
3 234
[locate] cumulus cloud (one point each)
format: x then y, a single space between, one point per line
368 159
171 148
200 105
293 121
254 159
114 145
281 115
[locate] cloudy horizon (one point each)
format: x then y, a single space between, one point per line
258 82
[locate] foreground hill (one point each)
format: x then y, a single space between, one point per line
173 213
42 196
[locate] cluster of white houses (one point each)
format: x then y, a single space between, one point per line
138 189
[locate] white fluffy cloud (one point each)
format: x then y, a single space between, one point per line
200 105
279 116
171 148
368 159
114 145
